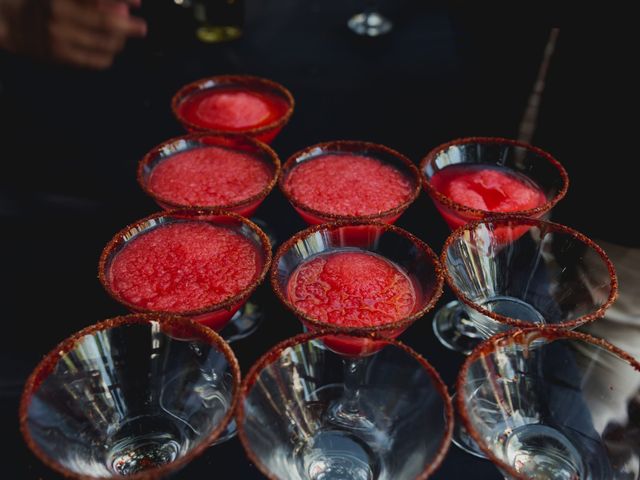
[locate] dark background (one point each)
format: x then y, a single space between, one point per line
71 139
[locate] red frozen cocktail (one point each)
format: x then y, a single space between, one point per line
474 178
352 288
191 263
208 171
348 180
234 104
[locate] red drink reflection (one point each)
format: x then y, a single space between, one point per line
372 280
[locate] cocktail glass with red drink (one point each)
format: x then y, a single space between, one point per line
195 263
356 278
201 170
234 105
105 403
361 283
478 177
286 423
349 181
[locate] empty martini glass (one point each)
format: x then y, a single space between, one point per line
553 404
518 272
286 424
104 403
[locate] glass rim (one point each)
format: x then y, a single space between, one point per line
198 85
276 351
550 333
152 154
448 202
533 222
45 367
118 241
289 166
398 324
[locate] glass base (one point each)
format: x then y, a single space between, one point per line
336 454
243 323
462 439
217 34
370 24
542 451
454 330
357 419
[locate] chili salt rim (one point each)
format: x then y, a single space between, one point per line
276 351
441 198
335 146
192 215
262 147
230 80
487 346
556 227
48 363
398 324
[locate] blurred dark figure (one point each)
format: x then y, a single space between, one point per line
83 33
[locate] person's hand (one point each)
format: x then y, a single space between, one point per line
90 33
84 33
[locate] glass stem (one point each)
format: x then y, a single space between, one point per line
354 370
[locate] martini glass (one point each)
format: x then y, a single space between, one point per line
242 204
275 99
226 315
553 404
103 403
348 334
393 161
406 252
370 22
194 183
286 426
519 272
530 164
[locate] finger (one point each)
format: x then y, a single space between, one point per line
87 39
90 16
81 57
